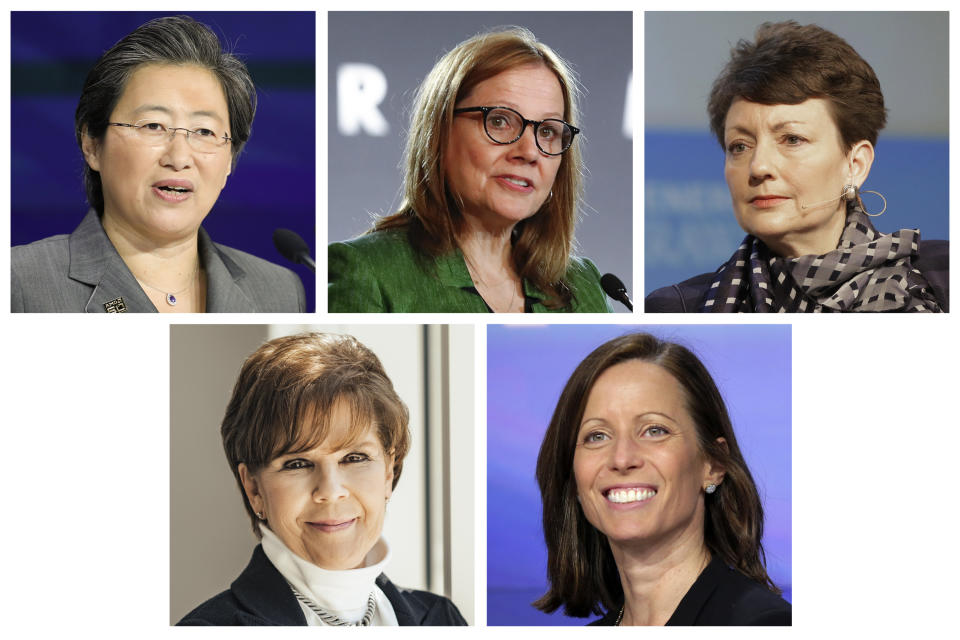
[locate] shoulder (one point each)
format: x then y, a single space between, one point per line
740 601
40 277
420 608
374 250
270 285
222 610
50 254
933 261
683 297
583 277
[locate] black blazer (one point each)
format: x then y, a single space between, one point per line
260 596
724 597
688 296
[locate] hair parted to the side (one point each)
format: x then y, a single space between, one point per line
789 64
542 244
580 567
174 40
286 392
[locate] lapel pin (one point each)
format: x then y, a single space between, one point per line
115 306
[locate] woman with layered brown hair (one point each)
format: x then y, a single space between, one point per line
316 436
490 196
650 514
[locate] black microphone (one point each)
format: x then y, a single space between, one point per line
292 247
614 287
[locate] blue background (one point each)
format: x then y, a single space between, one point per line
527 367
273 184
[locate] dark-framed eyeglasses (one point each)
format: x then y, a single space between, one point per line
505 126
155 133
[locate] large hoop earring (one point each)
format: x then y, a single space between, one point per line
864 209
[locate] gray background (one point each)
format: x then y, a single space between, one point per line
365 179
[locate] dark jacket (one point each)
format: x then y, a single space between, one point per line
260 596
82 272
688 296
724 597
382 272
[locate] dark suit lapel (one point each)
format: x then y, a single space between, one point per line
263 592
94 261
223 280
403 608
696 598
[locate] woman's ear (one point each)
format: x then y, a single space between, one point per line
251 487
714 471
861 159
91 150
388 479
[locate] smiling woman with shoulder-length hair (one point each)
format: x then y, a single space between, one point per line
316 437
161 121
650 514
798 112
492 187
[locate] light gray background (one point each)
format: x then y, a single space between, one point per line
364 174
907 50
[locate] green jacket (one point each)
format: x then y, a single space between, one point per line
381 272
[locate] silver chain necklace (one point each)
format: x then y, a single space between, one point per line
171 297
333 619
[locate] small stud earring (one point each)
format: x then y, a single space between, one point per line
260 514
711 488
849 193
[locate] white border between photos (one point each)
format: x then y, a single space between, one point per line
86 470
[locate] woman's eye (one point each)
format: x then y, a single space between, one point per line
153 126
595 436
736 147
298 463
548 132
498 122
656 431
356 457
206 133
793 140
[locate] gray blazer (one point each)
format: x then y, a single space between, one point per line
83 272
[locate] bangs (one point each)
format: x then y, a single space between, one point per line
314 418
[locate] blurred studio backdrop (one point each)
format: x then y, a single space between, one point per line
689 226
429 523
273 183
378 59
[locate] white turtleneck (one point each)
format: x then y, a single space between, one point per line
343 593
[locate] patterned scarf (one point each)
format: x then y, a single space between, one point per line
868 271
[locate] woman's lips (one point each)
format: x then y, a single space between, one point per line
172 190
629 496
515 183
331 526
765 202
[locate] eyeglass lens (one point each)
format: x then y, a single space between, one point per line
505 126
200 139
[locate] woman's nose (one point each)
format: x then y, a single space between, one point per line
526 147
626 454
761 163
328 486
177 154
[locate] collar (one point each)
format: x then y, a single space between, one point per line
344 593
696 597
263 592
94 261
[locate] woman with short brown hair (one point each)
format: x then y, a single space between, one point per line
798 112
316 437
